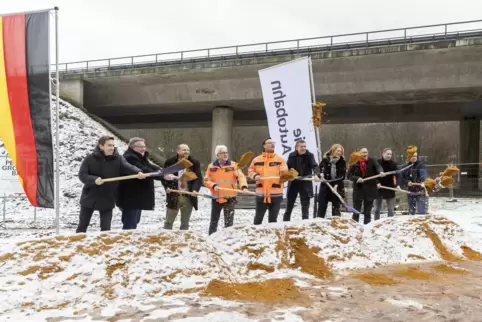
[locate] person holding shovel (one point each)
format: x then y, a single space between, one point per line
222 177
103 163
333 168
176 202
412 180
133 196
390 181
303 161
364 192
267 169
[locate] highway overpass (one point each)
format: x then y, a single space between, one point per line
433 76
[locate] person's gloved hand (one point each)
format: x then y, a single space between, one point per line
215 188
360 180
379 185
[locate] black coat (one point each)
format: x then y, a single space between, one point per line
194 185
97 165
366 190
137 194
325 168
305 164
388 181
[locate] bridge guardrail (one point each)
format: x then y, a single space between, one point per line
448 31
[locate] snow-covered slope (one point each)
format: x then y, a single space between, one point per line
78 137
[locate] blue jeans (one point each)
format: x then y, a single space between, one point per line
130 218
390 207
417 205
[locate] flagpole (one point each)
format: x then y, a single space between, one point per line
313 102
317 137
57 135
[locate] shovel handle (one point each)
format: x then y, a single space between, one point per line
395 189
132 176
239 191
191 193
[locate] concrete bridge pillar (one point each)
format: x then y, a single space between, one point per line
469 153
72 91
222 128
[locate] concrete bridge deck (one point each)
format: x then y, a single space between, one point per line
431 78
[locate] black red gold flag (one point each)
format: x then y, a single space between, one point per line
25 119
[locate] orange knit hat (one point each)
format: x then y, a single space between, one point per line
412 149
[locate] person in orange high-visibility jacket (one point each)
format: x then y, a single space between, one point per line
270 191
223 173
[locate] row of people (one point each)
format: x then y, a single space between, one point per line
223 176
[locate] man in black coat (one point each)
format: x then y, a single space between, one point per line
391 181
182 202
364 192
304 162
104 162
133 196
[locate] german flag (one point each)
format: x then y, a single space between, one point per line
25 120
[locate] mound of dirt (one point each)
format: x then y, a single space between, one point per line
113 266
240 263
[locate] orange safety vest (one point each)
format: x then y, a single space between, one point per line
224 176
268 165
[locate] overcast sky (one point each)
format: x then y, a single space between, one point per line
95 29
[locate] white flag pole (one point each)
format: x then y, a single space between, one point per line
57 135
313 99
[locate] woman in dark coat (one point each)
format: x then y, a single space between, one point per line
364 193
333 166
133 196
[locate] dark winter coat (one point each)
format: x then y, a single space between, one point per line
366 190
138 194
390 180
325 168
417 173
305 164
98 165
194 185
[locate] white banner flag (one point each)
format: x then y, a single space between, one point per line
9 182
288 103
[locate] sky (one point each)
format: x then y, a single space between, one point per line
103 29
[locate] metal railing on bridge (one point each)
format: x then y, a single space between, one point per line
410 35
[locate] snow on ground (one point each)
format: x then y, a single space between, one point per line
73 275
160 274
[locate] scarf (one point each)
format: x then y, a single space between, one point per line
363 167
333 161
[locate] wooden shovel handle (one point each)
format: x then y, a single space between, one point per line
191 193
239 191
132 176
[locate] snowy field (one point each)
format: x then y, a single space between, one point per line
155 275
